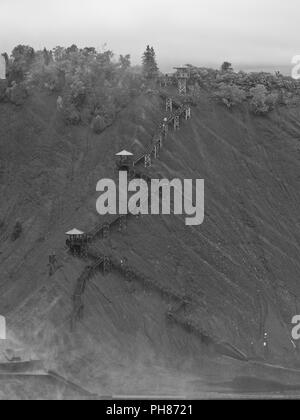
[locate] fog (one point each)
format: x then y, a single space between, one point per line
202 32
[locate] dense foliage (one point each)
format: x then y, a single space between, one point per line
150 68
262 91
91 86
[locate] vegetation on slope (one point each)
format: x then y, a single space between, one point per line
241 266
262 91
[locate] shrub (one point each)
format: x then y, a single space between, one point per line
262 102
71 115
17 231
98 124
272 100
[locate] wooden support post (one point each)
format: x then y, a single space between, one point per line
148 162
160 141
126 269
106 265
177 123
169 105
165 129
182 86
106 231
188 113
84 251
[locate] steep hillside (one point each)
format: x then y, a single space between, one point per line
239 270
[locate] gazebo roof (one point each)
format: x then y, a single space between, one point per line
75 232
124 153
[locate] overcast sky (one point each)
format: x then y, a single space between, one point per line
199 32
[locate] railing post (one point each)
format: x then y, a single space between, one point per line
182 86
188 113
160 141
148 161
165 127
106 265
106 231
169 105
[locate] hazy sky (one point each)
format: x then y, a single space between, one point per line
182 31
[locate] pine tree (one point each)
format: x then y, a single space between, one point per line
46 56
150 68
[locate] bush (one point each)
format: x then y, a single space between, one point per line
98 124
17 232
230 95
272 100
262 102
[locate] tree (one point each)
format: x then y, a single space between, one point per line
125 61
23 53
77 89
59 53
23 56
226 67
150 68
89 51
230 95
72 49
46 56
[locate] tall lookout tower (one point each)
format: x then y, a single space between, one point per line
182 75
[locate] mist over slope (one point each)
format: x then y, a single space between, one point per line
240 268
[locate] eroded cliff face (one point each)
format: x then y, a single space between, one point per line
239 269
